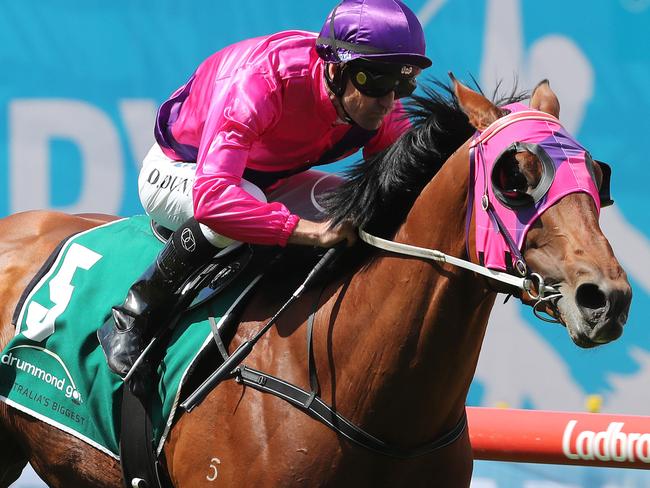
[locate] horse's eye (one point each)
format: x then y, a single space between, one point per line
507 175
510 180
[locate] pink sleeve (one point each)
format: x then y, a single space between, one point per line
241 110
393 126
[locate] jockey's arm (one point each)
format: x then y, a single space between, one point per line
241 110
321 234
225 207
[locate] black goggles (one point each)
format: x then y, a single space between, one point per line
375 80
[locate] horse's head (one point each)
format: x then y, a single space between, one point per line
536 201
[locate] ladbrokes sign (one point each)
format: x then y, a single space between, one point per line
611 444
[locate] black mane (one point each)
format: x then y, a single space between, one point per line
379 191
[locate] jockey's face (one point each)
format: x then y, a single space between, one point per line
368 112
372 88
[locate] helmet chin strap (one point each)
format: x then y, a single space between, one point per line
336 85
346 117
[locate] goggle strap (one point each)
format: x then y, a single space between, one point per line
335 43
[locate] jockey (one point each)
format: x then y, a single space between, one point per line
251 114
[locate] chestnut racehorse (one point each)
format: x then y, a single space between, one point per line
396 339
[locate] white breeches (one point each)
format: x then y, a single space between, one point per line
165 188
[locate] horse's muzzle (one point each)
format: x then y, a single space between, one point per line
598 313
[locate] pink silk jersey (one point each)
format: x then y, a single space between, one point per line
260 105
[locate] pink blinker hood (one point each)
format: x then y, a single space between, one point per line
567 168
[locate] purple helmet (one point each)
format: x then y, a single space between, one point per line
381 30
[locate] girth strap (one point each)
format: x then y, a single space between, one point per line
141 468
310 403
216 335
321 411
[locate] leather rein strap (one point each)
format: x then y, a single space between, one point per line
533 284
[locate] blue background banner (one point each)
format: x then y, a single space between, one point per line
81 81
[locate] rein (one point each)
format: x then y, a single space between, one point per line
533 284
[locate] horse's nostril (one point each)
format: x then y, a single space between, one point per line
590 296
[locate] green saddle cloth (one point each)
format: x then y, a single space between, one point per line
54 369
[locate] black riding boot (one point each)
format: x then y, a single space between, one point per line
124 336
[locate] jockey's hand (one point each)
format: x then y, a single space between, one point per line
321 235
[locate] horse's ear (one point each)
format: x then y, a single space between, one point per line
545 100
480 111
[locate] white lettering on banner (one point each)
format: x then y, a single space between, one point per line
70 390
40 320
33 123
29 368
138 117
611 444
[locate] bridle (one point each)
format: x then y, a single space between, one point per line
520 277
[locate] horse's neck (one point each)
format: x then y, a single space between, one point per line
425 322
